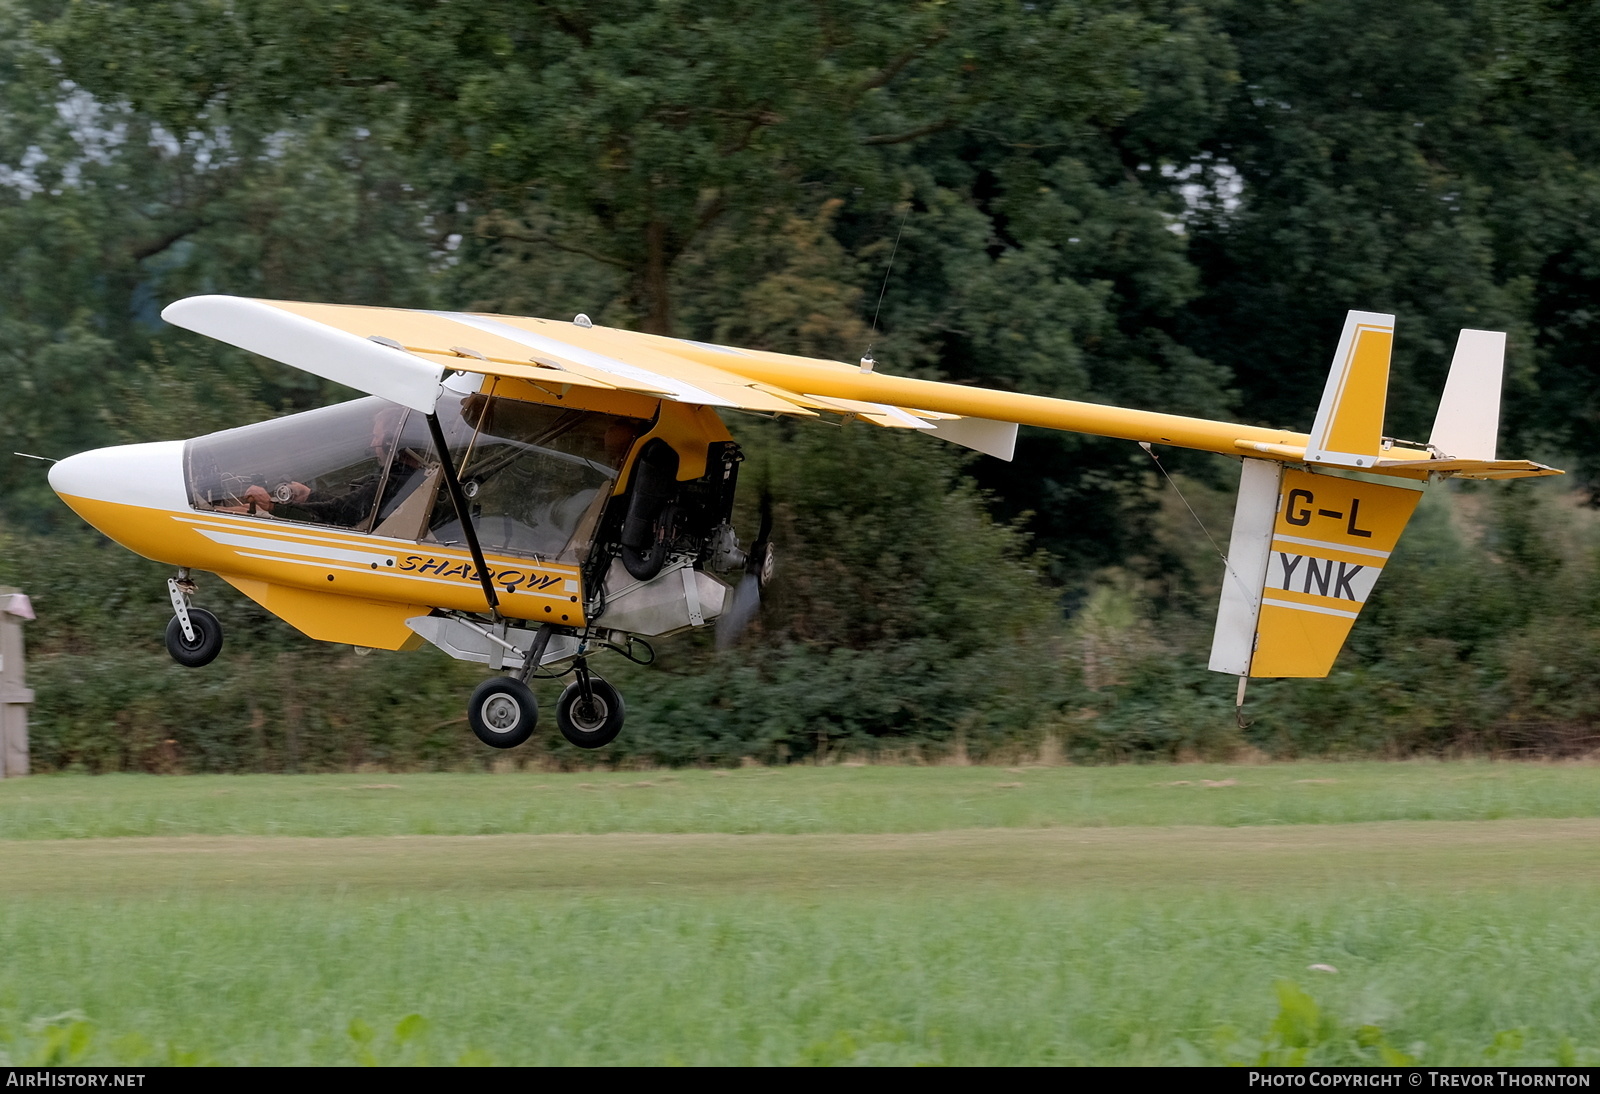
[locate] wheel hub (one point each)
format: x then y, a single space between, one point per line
501 714
589 714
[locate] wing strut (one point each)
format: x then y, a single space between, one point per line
459 500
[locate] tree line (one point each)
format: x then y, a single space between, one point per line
1156 204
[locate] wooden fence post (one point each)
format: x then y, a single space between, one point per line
15 696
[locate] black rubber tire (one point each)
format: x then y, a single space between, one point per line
207 639
503 712
593 728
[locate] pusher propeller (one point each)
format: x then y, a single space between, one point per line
758 570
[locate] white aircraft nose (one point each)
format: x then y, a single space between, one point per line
148 475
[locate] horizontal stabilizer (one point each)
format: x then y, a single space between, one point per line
1475 469
1468 422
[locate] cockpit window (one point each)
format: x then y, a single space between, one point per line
536 477
323 467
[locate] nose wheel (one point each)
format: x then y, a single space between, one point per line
194 636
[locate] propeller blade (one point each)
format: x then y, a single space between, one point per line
765 532
742 608
746 601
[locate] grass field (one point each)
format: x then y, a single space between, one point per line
957 915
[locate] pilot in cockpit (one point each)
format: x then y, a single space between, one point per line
350 507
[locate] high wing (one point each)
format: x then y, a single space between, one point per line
356 346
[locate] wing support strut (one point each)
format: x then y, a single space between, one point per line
459 499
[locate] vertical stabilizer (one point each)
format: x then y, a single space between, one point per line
1468 423
1349 425
1307 548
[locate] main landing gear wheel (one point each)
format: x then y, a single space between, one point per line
591 721
503 712
204 647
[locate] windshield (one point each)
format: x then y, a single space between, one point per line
536 477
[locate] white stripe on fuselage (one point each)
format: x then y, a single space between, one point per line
1280 538
303 550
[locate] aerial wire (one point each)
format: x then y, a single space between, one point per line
1162 468
1238 703
866 358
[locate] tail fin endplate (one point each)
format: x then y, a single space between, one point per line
1348 431
1469 412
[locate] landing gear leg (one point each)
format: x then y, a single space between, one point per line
531 659
590 711
503 712
194 637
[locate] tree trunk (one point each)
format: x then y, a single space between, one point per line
656 293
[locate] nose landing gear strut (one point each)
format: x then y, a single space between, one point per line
194 636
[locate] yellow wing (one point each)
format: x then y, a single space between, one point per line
404 355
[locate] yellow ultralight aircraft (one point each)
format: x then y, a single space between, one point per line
525 493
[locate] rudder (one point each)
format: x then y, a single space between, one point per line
1308 546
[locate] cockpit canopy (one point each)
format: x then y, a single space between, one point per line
536 477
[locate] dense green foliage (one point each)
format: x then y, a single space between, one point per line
1149 203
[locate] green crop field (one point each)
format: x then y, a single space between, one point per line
1441 912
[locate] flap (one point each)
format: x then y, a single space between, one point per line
997 439
878 413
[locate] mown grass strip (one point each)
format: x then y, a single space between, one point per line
793 800
1464 855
